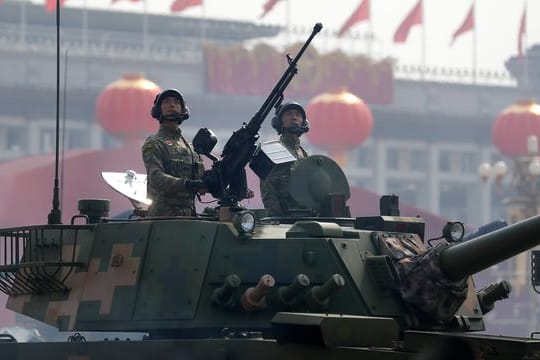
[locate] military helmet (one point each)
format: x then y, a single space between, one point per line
277 120
156 108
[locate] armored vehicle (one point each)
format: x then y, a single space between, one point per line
232 283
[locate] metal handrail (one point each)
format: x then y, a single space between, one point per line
32 259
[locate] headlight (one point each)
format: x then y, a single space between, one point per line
244 222
453 231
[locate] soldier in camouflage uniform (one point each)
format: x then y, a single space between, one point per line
290 122
173 167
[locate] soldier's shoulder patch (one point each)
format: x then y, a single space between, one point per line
147 146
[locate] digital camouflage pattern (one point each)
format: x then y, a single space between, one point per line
170 160
275 187
424 287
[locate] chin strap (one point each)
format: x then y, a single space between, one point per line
296 130
178 117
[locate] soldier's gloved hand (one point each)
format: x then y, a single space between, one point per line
194 185
210 181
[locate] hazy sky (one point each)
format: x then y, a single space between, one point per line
497 23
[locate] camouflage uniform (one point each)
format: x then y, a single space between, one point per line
170 160
275 187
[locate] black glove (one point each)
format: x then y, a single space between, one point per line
211 182
194 185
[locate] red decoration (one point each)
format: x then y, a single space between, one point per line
415 17
268 6
340 121
181 5
360 14
236 71
522 31
123 107
467 25
513 125
50 5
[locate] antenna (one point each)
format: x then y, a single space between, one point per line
63 146
55 216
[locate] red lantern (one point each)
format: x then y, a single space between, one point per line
514 125
340 121
123 107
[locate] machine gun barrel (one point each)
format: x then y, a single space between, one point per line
228 180
248 133
467 258
277 92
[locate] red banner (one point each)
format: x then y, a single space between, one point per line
241 72
50 5
268 6
415 17
359 15
181 5
467 25
522 31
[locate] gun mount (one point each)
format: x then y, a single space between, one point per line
226 180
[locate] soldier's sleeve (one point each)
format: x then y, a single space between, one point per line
200 170
269 194
153 161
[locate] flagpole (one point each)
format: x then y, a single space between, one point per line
288 20
524 47
145 26
85 26
23 23
474 44
203 22
370 35
423 50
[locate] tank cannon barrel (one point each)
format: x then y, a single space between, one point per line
467 258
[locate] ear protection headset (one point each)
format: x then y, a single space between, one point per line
156 108
277 120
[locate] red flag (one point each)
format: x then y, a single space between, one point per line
50 5
268 6
181 5
359 15
414 18
522 31
467 25
115 1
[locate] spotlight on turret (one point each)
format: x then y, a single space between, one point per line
244 222
453 231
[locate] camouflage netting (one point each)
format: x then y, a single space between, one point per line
423 287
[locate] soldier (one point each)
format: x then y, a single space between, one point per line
290 122
173 167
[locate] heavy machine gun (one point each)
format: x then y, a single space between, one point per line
226 180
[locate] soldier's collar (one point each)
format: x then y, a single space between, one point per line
290 139
166 130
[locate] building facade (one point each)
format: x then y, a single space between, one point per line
425 147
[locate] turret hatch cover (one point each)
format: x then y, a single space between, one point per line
128 183
314 178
